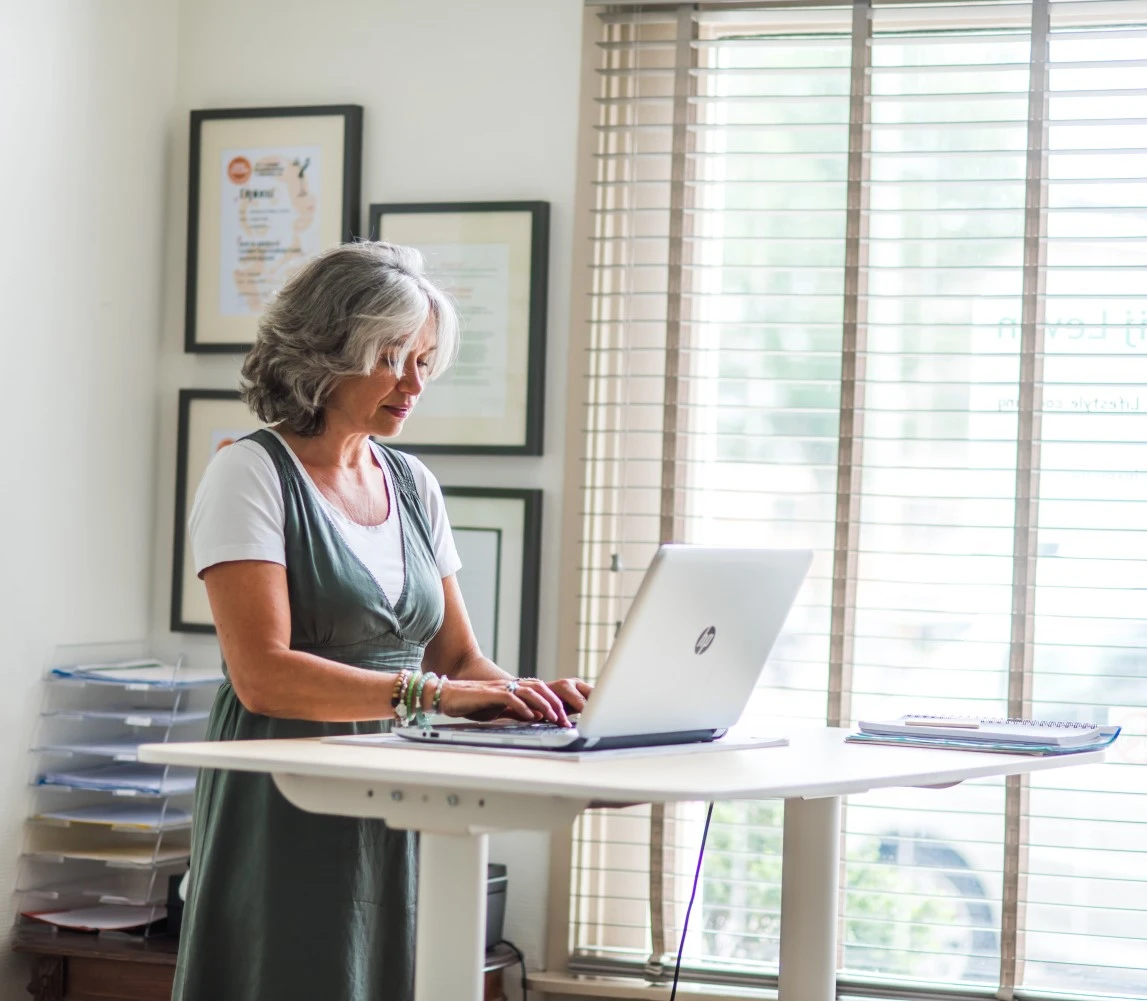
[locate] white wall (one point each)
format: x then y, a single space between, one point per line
85 89
465 100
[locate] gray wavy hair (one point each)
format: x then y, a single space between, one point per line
335 317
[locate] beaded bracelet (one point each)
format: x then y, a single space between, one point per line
436 702
408 698
398 696
418 715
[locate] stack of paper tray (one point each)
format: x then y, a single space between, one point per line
107 832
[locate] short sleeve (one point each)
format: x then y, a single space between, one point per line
238 511
445 552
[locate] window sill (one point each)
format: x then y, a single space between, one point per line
628 989
566 985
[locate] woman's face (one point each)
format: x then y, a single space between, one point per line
379 403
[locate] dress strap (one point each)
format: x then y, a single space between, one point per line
399 469
413 509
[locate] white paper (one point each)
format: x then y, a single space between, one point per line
730 742
123 855
144 816
477 275
126 749
136 716
270 203
127 777
105 917
141 674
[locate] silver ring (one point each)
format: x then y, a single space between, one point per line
511 686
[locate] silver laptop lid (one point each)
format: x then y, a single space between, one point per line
695 641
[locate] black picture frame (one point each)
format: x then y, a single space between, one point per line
410 223
522 512
210 418
200 410
298 126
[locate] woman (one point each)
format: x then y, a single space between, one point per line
330 567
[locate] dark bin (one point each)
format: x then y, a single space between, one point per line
174 905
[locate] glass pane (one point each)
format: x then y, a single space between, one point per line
769 219
1086 907
932 627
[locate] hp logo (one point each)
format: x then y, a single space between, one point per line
705 640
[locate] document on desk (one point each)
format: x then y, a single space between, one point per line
1106 736
978 729
730 742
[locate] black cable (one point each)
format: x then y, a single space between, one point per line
521 962
684 929
692 897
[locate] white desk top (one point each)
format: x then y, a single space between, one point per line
816 763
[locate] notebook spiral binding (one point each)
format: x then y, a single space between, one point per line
1062 724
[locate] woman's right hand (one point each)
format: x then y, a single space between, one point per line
488 699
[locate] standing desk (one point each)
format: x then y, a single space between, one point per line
456 798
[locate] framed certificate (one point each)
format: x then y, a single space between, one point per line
209 420
499 537
492 257
269 189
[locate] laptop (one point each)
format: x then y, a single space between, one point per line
684 663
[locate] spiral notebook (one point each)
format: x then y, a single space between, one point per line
974 729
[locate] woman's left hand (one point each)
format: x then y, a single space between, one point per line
454 652
573 692
565 696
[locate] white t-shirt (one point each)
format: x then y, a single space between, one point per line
238 514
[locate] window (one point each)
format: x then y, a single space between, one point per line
872 279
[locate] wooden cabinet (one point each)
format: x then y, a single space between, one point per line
75 967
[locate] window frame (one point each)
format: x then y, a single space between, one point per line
1020 671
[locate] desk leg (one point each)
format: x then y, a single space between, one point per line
450 947
810 878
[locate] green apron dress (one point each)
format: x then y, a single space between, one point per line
285 905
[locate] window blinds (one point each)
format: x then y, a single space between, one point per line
872 279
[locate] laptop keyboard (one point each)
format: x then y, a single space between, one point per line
518 728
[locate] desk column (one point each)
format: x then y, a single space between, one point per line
810 887
450 944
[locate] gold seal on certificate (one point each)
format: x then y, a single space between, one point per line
270 188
